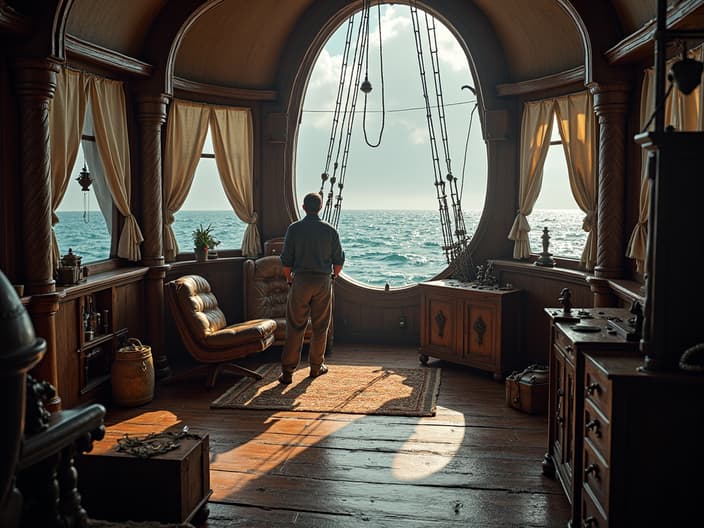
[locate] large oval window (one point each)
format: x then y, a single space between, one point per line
382 147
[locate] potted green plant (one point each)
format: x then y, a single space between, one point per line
203 240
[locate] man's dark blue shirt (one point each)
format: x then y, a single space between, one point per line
312 246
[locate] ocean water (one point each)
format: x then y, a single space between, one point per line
381 246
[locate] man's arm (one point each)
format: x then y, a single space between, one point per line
287 273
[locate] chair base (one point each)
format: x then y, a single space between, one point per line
211 372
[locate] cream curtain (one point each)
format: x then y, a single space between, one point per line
233 144
66 117
536 129
185 135
107 100
575 116
684 112
100 186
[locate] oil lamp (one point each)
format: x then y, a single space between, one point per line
85 180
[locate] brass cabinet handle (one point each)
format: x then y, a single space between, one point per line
592 388
588 522
568 348
592 468
560 393
560 420
593 425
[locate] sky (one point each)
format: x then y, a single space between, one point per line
399 173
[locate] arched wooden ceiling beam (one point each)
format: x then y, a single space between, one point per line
45 36
165 37
468 23
597 23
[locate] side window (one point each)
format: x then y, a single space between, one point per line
86 210
556 207
207 204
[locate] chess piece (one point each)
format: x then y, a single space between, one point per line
565 301
545 258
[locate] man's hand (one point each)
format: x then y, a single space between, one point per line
336 269
287 274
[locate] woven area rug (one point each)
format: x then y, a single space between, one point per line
344 389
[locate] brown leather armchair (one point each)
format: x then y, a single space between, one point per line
265 294
206 334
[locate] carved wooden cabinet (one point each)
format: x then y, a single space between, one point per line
473 326
643 456
93 319
566 400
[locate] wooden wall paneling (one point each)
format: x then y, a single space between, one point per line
128 308
542 288
10 251
374 315
68 343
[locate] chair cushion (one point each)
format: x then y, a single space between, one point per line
267 289
199 306
241 333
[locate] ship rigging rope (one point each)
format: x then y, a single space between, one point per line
366 80
331 211
454 243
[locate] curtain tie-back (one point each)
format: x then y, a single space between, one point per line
520 228
588 222
253 218
170 218
54 219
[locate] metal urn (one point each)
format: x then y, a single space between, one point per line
69 271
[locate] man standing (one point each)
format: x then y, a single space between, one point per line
312 257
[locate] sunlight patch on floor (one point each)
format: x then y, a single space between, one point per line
261 454
410 465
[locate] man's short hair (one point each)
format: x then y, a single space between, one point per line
312 202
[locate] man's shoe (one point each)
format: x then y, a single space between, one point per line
322 369
286 378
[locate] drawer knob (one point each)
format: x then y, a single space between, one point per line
592 388
560 393
589 522
593 425
568 348
592 468
560 420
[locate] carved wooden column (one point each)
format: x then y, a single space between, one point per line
152 116
610 105
36 84
154 292
42 309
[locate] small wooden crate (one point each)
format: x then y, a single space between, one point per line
171 487
527 390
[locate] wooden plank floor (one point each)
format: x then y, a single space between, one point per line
477 463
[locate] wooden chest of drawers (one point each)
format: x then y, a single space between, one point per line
642 445
566 400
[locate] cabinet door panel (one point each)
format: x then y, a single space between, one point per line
480 334
441 322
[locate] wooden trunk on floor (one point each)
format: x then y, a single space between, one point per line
171 487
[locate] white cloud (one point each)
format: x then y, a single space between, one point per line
449 50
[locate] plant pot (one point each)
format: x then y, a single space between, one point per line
201 254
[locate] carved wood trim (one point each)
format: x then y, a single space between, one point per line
440 321
480 328
199 88
639 44
558 80
113 60
13 22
